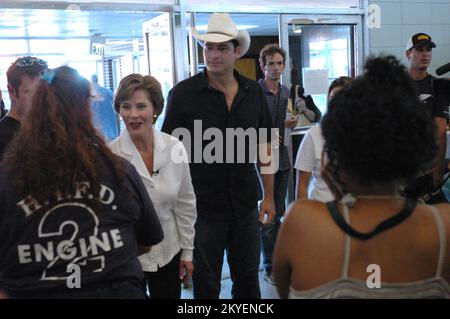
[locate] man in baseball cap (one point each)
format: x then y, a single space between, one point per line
419 40
419 53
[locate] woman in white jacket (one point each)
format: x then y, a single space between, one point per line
162 163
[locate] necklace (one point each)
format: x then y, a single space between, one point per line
343 221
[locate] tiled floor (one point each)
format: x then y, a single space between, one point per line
267 290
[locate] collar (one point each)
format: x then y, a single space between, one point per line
129 149
12 118
203 80
263 85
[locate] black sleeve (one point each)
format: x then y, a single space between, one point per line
148 228
313 107
2 109
439 110
442 91
441 104
174 111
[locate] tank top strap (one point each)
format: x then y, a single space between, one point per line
442 239
347 245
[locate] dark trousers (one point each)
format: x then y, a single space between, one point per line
165 283
269 231
241 240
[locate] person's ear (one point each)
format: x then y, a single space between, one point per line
408 53
237 51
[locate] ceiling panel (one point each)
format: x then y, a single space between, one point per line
16 23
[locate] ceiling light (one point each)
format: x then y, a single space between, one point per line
301 21
297 29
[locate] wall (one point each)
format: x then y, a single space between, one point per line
402 18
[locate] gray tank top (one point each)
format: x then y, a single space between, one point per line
345 287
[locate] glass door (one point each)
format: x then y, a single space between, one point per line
158 43
320 49
319 54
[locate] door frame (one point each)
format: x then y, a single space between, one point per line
323 19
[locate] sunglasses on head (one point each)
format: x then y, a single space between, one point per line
29 61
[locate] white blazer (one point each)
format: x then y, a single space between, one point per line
172 194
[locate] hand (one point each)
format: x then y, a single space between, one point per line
291 123
300 105
280 140
186 270
267 207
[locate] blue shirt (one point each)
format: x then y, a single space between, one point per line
103 114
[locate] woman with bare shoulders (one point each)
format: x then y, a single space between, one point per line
377 137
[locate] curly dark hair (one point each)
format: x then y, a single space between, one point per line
269 50
57 146
341 81
376 130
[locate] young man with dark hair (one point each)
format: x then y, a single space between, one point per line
419 53
23 76
272 61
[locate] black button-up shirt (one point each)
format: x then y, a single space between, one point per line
9 127
224 190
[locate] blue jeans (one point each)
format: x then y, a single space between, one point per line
240 238
269 231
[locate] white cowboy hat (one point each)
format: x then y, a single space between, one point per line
222 29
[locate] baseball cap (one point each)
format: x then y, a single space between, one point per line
419 39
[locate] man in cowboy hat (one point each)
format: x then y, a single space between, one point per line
419 53
220 98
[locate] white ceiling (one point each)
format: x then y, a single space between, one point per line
122 27
21 23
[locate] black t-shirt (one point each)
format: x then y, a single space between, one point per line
8 129
426 95
99 233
